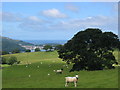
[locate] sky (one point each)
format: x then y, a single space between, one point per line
56 20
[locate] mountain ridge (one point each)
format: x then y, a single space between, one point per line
9 44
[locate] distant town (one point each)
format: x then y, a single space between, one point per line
32 47
40 47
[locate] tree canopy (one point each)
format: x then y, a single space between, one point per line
90 49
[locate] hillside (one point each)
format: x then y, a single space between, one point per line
11 44
48 62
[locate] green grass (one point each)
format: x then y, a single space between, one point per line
16 76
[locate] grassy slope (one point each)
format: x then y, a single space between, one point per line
17 76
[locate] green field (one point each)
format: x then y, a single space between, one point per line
17 76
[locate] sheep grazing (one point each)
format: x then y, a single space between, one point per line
59 71
71 79
29 76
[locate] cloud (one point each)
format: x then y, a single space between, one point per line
36 24
107 23
54 13
30 26
34 18
10 17
72 8
33 23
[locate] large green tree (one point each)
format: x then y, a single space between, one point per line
90 49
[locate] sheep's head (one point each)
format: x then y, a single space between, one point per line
76 76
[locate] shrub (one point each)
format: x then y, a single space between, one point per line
4 52
37 49
48 48
16 51
12 60
28 50
3 60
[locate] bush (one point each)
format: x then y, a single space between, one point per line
16 51
13 60
37 49
3 60
28 50
4 52
48 48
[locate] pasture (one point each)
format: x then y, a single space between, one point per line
40 74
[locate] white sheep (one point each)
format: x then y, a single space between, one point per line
71 79
59 71
29 76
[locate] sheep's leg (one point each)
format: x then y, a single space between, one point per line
75 84
66 84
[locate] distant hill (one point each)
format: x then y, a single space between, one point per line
11 44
